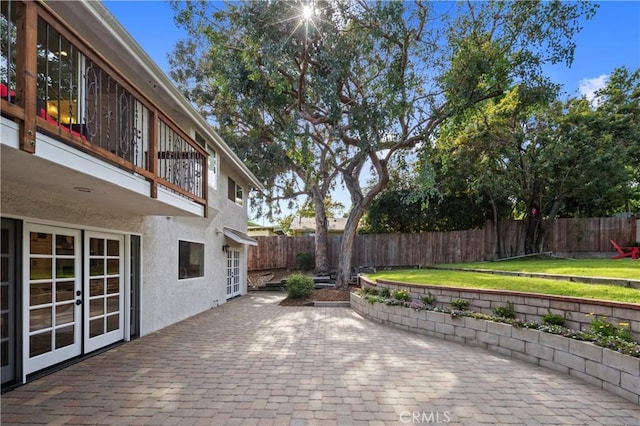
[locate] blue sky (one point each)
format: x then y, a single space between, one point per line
610 40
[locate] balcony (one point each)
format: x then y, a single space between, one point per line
70 120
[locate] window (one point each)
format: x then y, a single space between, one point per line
213 168
235 192
190 259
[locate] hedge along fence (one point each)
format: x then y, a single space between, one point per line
610 370
397 250
577 312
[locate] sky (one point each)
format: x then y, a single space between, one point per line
608 41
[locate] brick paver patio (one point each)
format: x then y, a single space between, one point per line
253 362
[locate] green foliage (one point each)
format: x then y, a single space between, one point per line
460 304
400 295
429 299
506 311
370 291
553 319
299 286
304 261
384 292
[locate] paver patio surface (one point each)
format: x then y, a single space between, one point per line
254 362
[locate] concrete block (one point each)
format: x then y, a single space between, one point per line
561 305
445 329
488 338
436 317
596 309
586 377
586 350
526 334
626 363
525 357
475 324
426 325
457 320
554 366
630 382
630 396
396 319
553 341
607 374
464 332
541 303
499 328
539 351
500 350
512 344
409 322
571 361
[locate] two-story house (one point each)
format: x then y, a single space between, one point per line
122 210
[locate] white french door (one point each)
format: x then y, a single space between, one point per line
233 273
52 303
103 289
67 312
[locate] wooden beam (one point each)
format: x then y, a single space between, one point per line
26 71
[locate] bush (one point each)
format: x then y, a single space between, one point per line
299 286
429 299
304 261
401 294
384 292
505 311
553 319
460 304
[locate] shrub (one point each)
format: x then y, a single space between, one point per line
400 294
384 292
299 286
506 311
304 261
370 290
553 319
429 299
460 304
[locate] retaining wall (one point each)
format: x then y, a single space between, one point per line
602 367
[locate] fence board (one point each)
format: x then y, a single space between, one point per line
565 235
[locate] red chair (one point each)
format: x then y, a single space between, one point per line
632 252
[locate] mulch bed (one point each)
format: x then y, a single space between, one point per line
323 294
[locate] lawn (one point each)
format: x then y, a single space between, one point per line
531 285
618 268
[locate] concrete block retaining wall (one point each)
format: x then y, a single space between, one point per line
602 367
528 306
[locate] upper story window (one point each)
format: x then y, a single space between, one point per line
213 168
8 50
235 192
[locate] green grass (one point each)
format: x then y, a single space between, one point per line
610 268
497 282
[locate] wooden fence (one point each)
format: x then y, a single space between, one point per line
573 236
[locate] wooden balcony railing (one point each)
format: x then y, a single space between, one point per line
53 82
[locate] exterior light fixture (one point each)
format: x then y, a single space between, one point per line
225 248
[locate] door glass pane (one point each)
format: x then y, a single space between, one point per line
113 304
4 298
40 243
64 245
64 313
40 294
64 336
96 287
4 269
113 322
4 241
40 269
4 353
40 318
96 267
39 344
96 307
64 268
113 247
96 247
4 324
64 291
113 285
112 266
96 327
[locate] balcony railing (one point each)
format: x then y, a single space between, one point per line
83 101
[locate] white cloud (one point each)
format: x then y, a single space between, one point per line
589 86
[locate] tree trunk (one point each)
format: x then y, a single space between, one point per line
346 247
321 237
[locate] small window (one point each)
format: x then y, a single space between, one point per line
213 168
190 259
235 192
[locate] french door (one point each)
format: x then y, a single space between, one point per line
66 311
8 284
233 273
52 303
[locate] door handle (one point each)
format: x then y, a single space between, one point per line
78 302
78 292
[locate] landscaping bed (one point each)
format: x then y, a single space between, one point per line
319 295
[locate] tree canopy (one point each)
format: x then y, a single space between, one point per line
354 84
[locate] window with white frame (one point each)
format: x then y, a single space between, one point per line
213 168
235 192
